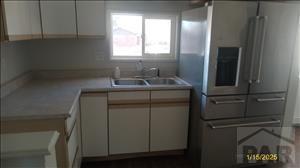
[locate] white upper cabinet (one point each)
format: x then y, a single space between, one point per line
22 20
58 19
91 18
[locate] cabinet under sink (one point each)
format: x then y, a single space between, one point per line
134 122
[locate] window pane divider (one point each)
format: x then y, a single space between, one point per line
143 35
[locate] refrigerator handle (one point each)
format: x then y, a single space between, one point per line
262 27
252 35
236 101
212 126
256 36
270 99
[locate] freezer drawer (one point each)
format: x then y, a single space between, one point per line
219 140
265 104
218 107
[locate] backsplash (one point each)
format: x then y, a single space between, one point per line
87 55
14 61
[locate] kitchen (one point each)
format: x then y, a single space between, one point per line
115 81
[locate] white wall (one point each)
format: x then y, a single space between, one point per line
297 109
292 112
297 55
14 60
296 119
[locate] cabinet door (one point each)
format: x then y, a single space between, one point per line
169 126
94 124
22 20
58 19
91 18
128 128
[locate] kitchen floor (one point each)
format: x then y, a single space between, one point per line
146 162
168 161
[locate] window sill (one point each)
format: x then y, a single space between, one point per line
118 59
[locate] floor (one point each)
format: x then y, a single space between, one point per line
147 162
170 161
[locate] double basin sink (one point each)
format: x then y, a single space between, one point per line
146 82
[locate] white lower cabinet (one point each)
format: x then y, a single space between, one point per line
169 126
129 128
127 122
94 124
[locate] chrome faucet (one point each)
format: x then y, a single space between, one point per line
144 71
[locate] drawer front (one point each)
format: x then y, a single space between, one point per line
170 96
265 104
219 140
73 145
129 97
71 120
223 107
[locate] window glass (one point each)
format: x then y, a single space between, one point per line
142 36
127 35
157 36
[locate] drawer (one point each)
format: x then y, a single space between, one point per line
71 120
223 107
265 104
170 96
72 145
219 139
129 97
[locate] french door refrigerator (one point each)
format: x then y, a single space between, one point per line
237 55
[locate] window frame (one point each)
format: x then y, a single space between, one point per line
146 56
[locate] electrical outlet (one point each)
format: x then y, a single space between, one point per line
99 55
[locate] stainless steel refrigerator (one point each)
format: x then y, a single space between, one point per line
237 55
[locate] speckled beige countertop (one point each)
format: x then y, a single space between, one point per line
43 99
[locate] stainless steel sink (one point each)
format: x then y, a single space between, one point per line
145 82
128 82
163 81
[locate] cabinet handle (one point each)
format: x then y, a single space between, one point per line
211 125
237 101
270 99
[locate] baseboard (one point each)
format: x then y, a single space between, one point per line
134 155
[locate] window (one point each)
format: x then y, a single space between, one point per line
140 36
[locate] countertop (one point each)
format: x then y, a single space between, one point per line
44 99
